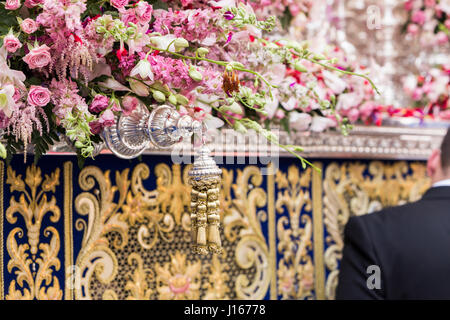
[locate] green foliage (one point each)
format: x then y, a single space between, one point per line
12 147
286 19
8 19
49 136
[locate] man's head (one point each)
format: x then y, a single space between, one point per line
438 166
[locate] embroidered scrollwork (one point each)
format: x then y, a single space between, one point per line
33 262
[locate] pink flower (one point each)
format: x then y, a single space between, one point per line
353 115
17 94
95 126
11 43
367 109
408 5
118 4
417 94
107 118
441 37
38 57
38 96
418 17
28 26
12 4
33 3
144 12
99 103
129 103
279 114
413 29
430 3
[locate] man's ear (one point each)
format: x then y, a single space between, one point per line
434 162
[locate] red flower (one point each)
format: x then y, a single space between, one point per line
121 53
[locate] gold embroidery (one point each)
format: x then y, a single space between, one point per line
216 284
178 279
2 284
137 285
295 268
242 222
318 233
272 236
129 226
348 192
33 206
68 232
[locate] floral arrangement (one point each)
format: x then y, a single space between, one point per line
69 67
345 98
429 20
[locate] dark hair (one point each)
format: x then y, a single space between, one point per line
445 151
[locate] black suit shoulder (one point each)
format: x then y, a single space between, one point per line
410 244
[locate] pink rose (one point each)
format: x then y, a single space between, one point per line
99 103
418 17
144 12
129 103
33 3
38 57
12 4
118 4
11 43
38 96
107 118
95 126
447 23
28 26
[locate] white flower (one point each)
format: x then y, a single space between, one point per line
144 69
6 99
334 82
9 75
348 100
409 83
271 105
320 124
162 42
445 6
213 122
223 3
299 121
289 104
113 84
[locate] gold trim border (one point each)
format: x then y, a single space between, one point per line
2 172
318 232
271 226
68 232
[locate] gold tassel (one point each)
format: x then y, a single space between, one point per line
205 204
194 199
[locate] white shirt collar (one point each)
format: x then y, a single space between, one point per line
442 183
